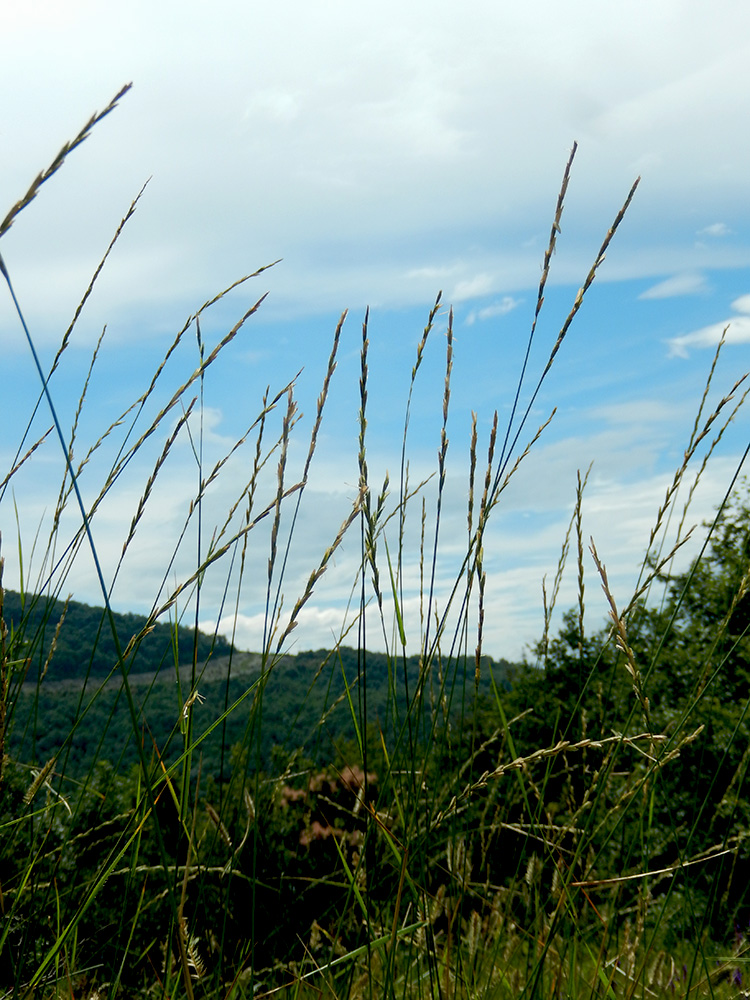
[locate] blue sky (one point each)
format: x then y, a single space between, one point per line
384 154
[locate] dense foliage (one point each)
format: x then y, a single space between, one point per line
314 844
66 639
685 681
89 720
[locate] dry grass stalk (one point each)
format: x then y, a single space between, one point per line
362 416
500 486
320 570
441 484
248 492
215 554
709 451
64 495
139 404
143 500
477 541
707 387
423 342
371 519
446 399
322 398
579 542
507 448
273 613
486 502
58 161
548 254
41 776
669 870
656 572
190 959
690 452
55 637
331 368
590 276
620 631
480 624
180 392
404 467
472 472
86 295
290 418
422 530
19 462
549 605
544 753
218 823
126 455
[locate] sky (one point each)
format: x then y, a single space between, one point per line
379 155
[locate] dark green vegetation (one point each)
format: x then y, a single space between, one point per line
182 820
82 646
536 813
71 702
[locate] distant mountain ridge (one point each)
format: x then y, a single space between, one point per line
85 645
305 702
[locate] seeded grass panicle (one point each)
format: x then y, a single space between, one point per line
447 828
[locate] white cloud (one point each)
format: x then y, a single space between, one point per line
318 628
716 229
501 308
522 544
689 283
433 273
737 331
384 153
339 143
634 412
472 288
205 423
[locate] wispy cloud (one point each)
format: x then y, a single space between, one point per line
383 154
502 308
470 288
716 229
688 283
432 273
737 327
322 625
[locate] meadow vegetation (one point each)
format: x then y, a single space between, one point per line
417 823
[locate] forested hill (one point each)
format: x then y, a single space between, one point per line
85 644
306 695
308 701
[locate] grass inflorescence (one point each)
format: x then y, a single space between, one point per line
418 823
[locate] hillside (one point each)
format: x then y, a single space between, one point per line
84 645
76 707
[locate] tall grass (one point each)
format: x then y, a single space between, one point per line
438 854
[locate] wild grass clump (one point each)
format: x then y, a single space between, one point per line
571 828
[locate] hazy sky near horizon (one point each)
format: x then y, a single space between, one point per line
381 154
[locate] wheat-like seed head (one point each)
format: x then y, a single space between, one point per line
58 161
